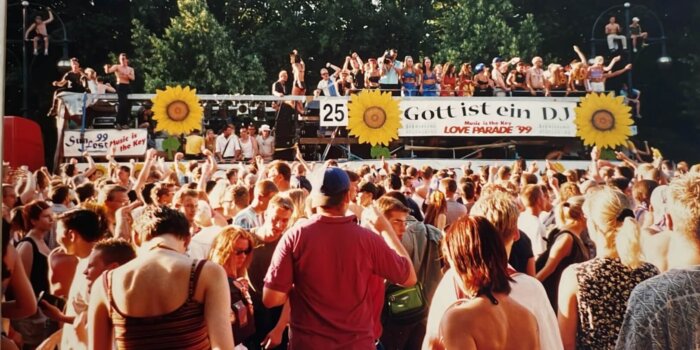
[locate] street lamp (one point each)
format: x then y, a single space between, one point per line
664 61
25 68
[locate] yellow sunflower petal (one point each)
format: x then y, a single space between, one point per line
603 120
373 134
177 124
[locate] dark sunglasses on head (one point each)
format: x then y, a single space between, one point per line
244 251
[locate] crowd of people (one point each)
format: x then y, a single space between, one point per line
500 77
275 254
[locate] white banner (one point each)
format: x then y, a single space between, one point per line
472 116
98 141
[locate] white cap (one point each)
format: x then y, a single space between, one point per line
635 19
264 127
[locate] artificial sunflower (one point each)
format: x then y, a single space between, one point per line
177 110
603 120
374 117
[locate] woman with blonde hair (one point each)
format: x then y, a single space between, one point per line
298 197
564 246
465 86
593 295
233 250
435 209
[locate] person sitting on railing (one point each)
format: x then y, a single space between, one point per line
536 82
390 69
517 79
327 82
449 80
428 78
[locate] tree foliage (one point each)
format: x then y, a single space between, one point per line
238 46
481 29
197 51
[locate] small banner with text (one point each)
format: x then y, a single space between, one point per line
98 142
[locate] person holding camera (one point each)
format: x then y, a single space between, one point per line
327 82
390 70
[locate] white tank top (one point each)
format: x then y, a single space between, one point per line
247 148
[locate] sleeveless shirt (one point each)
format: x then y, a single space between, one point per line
184 328
39 276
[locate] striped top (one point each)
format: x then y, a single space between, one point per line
184 328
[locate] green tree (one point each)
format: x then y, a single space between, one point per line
195 50
481 29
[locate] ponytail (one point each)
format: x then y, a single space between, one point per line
627 242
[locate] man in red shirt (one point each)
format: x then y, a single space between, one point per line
328 267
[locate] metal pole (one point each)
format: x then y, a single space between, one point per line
628 38
25 69
3 44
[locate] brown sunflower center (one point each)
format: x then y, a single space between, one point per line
603 120
374 117
178 110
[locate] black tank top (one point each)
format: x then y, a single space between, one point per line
39 276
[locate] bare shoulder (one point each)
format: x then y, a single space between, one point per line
211 276
465 311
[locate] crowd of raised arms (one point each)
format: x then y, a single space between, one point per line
260 256
409 77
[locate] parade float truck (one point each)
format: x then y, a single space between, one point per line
361 127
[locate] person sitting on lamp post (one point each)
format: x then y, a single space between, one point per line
636 33
40 33
612 32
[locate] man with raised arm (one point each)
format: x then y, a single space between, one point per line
40 33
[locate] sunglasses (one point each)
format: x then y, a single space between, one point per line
245 251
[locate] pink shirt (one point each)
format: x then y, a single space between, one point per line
330 268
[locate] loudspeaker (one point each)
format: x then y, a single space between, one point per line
285 132
215 124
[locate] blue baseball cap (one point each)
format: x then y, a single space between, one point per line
335 182
479 67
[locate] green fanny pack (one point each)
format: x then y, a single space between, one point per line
405 305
